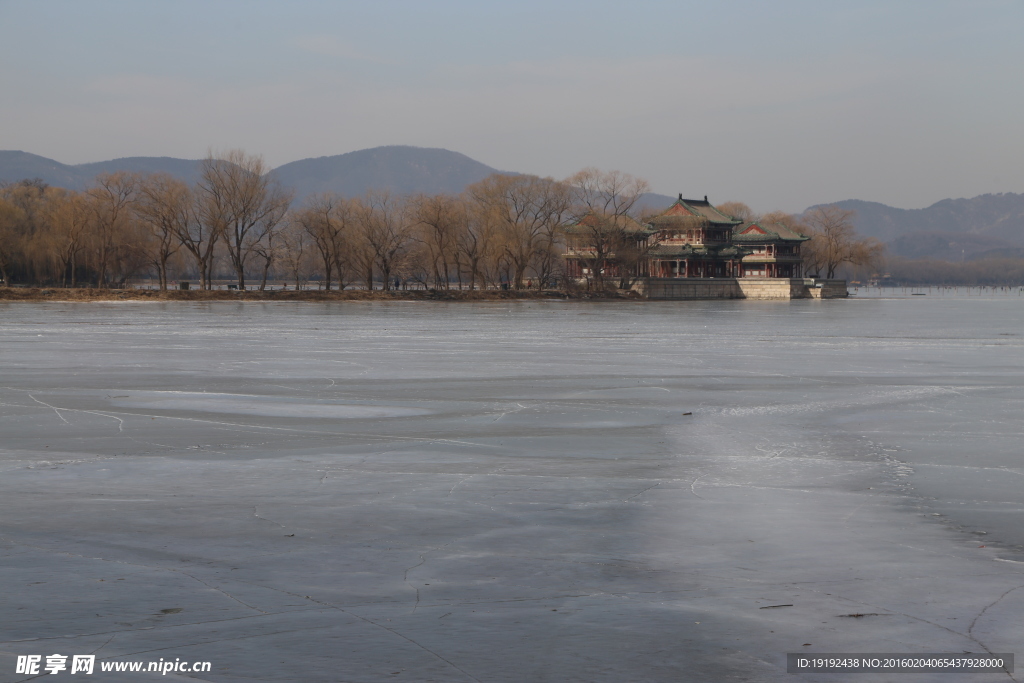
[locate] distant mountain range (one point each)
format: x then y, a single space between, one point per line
400 169
15 166
952 229
989 225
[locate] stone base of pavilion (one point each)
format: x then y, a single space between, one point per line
740 288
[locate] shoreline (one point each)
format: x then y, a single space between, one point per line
37 294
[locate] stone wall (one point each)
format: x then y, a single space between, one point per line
691 288
740 288
830 289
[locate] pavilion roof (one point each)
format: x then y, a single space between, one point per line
765 231
688 210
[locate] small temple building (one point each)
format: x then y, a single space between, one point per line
694 239
690 239
693 250
770 249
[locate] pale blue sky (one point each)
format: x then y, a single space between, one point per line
779 103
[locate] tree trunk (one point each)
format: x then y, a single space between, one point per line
341 274
266 269
163 274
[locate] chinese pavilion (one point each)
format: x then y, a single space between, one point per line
690 239
693 239
770 249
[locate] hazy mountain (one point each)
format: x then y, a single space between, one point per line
952 229
15 166
186 169
651 201
398 168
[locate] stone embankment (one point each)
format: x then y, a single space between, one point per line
663 289
742 288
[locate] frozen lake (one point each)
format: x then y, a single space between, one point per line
550 491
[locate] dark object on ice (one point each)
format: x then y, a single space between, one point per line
183 285
774 606
172 610
687 413
918 293
858 615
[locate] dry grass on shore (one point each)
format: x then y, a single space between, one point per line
87 295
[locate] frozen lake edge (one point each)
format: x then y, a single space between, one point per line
550 513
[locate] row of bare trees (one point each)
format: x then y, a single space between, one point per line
127 224
506 230
53 235
503 230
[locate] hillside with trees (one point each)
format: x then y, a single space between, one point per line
239 221
100 222
951 230
399 169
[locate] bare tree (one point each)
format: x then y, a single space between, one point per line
110 201
386 232
476 244
23 229
267 251
360 252
737 210
604 231
10 239
67 225
327 219
441 220
834 241
164 205
200 227
133 252
527 212
240 197
296 252
606 193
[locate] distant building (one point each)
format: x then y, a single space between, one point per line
690 239
694 239
770 249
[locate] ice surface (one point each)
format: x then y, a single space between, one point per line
255 405
511 492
